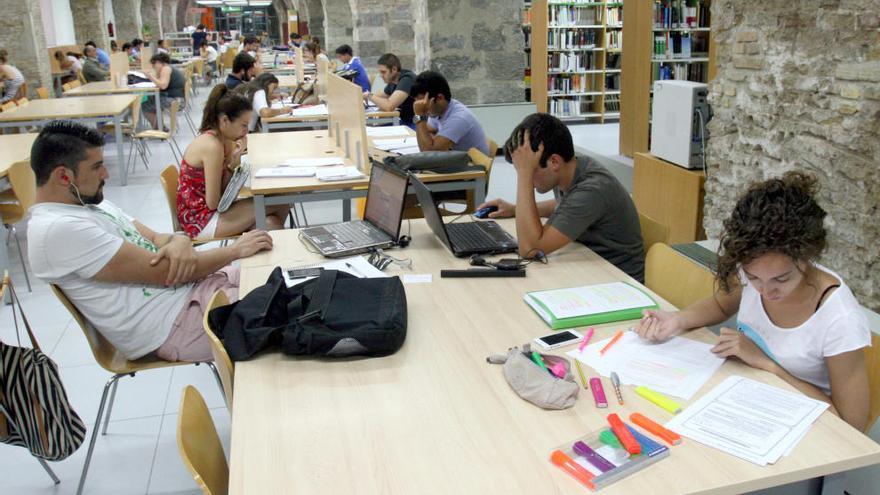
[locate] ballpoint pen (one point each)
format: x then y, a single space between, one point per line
615 380
355 270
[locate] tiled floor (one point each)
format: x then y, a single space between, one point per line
139 453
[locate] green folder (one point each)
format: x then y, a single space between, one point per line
635 302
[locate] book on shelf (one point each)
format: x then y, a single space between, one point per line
569 107
570 83
680 14
680 71
613 40
569 15
673 45
571 39
570 61
613 16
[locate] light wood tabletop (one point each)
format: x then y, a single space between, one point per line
437 418
16 148
106 87
288 81
321 118
70 108
269 150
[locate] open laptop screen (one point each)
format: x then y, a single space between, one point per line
385 199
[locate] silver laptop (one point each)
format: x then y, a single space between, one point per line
380 227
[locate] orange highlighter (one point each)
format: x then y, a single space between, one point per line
573 468
669 436
613 341
626 438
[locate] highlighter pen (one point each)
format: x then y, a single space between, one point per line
581 373
615 380
614 340
598 392
649 446
571 467
659 399
626 439
539 361
602 464
587 337
669 436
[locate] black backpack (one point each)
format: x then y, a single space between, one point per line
334 315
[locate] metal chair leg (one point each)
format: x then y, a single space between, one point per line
85 471
49 471
173 152
302 206
21 256
217 377
110 407
178 147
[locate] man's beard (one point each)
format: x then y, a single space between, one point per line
94 199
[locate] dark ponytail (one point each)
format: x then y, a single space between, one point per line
222 101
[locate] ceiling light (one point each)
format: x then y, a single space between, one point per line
260 3
209 2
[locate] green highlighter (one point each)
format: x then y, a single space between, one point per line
610 439
536 357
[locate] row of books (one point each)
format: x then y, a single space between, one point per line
561 15
612 103
679 71
614 16
570 62
568 39
571 83
612 82
570 107
676 14
614 40
672 44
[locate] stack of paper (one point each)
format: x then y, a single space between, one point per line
388 131
323 161
138 74
145 84
394 143
280 172
749 419
677 367
357 266
312 111
330 174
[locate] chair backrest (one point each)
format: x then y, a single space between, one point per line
22 91
22 102
175 105
8 106
652 231
222 362
23 182
135 113
105 353
169 179
75 84
81 77
199 445
493 148
676 278
872 360
66 87
43 93
187 87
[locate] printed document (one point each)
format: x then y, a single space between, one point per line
388 131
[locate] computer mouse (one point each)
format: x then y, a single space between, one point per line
484 212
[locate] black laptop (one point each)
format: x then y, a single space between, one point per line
462 238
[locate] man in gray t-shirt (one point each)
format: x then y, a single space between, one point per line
590 205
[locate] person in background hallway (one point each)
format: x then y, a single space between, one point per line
198 36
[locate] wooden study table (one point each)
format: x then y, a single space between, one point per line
16 148
280 122
437 418
269 150
108 88
287 81
83 109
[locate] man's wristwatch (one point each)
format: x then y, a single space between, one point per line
417 118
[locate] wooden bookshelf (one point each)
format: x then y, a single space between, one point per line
575 58
646 25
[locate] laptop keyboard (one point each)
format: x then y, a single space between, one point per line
468 236
358 232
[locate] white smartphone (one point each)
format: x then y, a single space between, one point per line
558 339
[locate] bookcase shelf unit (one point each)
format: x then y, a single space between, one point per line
664 39
573 58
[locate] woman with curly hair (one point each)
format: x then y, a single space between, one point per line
795 318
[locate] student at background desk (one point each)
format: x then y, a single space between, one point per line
398 88
795 318
442 122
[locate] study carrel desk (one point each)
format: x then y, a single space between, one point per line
436 418
289 121
98 88
83 109
269 150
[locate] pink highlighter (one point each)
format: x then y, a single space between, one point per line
598 392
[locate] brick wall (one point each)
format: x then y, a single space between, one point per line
89 22
128 20
798 88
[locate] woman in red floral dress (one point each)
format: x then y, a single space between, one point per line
207 166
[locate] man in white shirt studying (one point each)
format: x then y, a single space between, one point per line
145 292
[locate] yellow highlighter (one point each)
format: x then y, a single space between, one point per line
658 399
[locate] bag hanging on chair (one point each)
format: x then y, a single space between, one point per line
34 410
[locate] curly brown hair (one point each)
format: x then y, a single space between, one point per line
778 215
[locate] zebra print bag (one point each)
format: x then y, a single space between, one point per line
34 411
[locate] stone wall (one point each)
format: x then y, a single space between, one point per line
312 11
151 15
383 26
798 88
128 20
89 22
21 34
169 16
338 27
477 45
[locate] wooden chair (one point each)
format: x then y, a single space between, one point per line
199 445
109 358
652 231
187 108
75 84
66 87
14 205
8 106
42 93
169 178
167 137
224 364
22 92
872 360
80 77
129 129
22 102
676 278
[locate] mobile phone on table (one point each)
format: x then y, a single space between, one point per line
295 273
558 339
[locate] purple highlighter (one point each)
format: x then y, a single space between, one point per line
581 449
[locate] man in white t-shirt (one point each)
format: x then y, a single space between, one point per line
143 291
